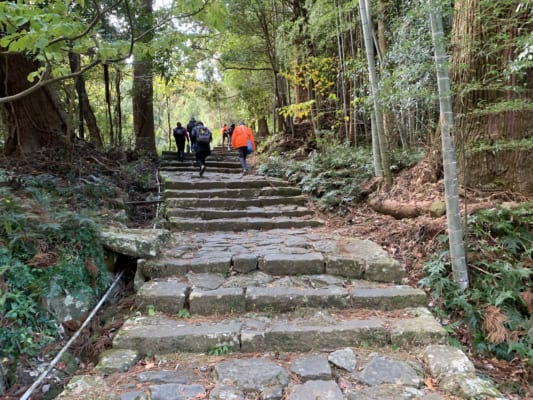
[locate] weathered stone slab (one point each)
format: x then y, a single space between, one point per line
222 391
343 358
166 296
456 373
117 360
392 392
383 270
292 264
444 360
159 335
216 262
387 298
283 299
87 387
140 243
205 281
469 387
382 370
241 224
256 278
420 330
290 336
344 266
323 390
67 307
165 267
245 263
379 265
218 301
312 368
254 375
183 377
233 204
167 391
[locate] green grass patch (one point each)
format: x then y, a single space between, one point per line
493 311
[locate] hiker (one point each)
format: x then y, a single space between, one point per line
230 133
203 138
190 127
242 135
224 131
180 136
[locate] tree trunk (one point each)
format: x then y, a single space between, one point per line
389 122
143 91
86 112
143 107
451 186
483 40
118 110
36 120
380 136
262 128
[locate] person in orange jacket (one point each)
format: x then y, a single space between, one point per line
225 135
239 141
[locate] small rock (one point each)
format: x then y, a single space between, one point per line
323 390
343 358
382 370
312 368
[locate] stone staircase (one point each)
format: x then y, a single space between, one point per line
250 279
223 200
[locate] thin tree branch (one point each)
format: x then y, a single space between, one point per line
90 26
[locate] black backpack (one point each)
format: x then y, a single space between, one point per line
203 135
179 132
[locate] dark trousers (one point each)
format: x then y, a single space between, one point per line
201 155
243 152
180 144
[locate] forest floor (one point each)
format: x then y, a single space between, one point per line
410 240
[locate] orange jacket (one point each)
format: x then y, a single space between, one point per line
240 137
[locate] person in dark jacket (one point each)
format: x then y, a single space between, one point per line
203 137
230 133
180 136
190 127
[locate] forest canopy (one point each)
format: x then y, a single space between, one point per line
119 74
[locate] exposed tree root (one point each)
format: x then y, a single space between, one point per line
400 210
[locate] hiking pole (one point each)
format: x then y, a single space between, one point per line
28 392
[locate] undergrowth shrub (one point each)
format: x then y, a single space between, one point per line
45 250
333 173
495 312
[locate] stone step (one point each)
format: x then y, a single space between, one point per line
239 224
190 168
279 252
250 212
304 330
232 193
235 204
209 294
165 164
172 181
215 154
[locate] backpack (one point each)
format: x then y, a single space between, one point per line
203 135
179 132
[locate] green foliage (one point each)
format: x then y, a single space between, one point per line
36 228
331 174
184 313
219 349
500 249
24 325
334 172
